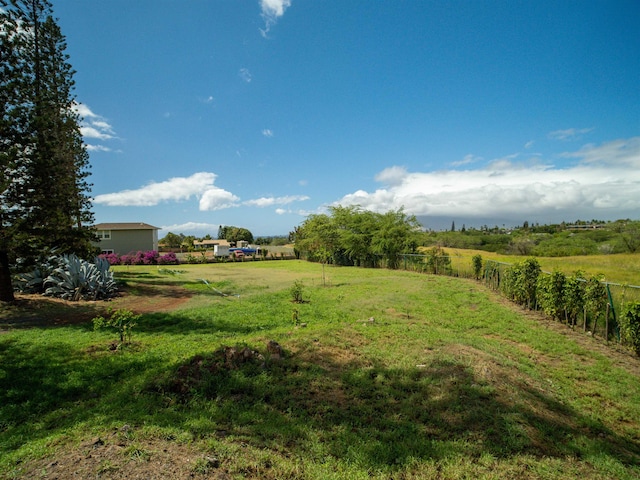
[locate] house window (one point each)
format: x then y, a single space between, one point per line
104 234
106 252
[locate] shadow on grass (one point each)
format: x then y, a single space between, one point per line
186 325
46 388
380 417
310 406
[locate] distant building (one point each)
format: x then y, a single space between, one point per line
123 238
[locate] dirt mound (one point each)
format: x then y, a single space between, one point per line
197 373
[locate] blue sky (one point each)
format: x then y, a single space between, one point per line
258 113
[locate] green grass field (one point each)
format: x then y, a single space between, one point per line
385 374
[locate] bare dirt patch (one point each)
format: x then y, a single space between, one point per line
114 456
34 310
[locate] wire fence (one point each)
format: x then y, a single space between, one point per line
605 323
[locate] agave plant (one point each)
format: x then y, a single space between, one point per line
76 279
33 281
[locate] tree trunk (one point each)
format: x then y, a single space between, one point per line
6 288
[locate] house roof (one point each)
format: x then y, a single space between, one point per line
125 226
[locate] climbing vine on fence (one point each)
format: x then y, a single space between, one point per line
574 297
520 281
550 294
595 300
630 325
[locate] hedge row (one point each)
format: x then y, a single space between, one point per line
150 257
569 298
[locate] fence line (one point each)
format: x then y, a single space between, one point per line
493 273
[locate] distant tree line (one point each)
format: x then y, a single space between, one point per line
229 233
577 238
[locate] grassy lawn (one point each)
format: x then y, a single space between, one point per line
384 374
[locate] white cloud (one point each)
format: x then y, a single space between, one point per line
617 152
217 199
175 189
271 11
97 148
84 111
267 133
245 75
91 132
469 158
281 211
606 177
529 144
392 175
94 126
269 201
569 133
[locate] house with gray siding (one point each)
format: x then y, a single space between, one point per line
123 238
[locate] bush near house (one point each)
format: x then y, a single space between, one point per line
150 257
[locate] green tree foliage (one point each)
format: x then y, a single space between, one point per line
276 241
355 229
44 200
630 237
317 238
172 240
353 236
395 236
235 234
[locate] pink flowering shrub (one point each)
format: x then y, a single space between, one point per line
168 259
150 257
127 260
112 258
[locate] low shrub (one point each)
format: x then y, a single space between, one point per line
296 292
122 321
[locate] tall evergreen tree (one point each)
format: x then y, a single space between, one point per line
44 191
